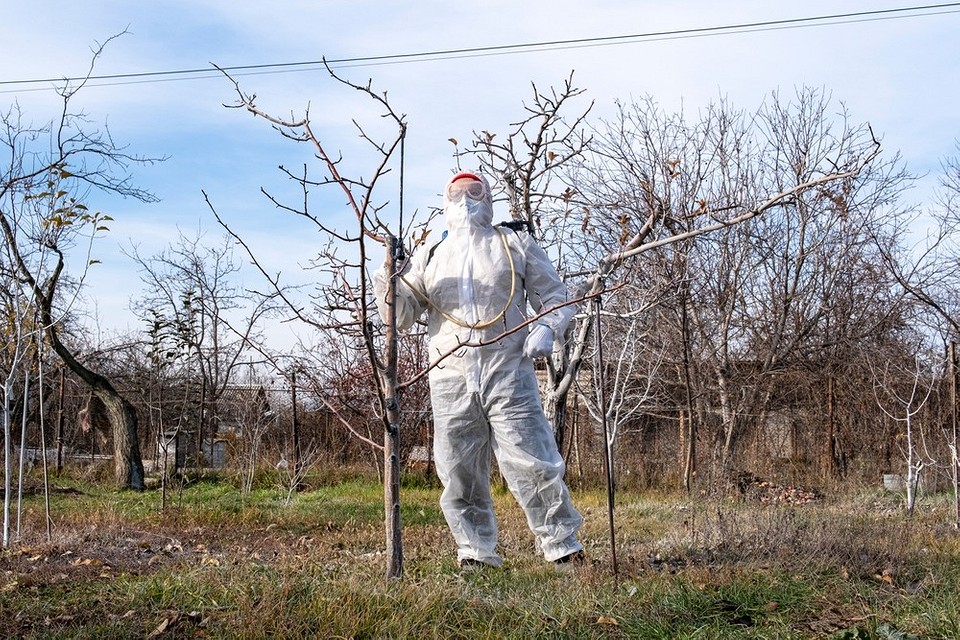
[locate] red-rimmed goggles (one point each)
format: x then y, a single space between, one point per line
467 185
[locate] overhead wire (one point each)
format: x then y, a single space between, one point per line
898 13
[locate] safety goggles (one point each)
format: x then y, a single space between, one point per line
465 187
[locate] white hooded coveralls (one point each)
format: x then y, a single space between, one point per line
485 399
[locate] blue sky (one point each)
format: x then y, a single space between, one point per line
901 75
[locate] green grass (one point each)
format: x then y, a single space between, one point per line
215 563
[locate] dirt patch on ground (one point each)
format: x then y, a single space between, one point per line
101 552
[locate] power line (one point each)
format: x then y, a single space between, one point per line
528 47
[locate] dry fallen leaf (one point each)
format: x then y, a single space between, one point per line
608 620
86 562
160 628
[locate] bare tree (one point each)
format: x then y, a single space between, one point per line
654 180
255 417
17 358
293 474
927 273
816 254
344 301
902 392
51 172
630 370
194 301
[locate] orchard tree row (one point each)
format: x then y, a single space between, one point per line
752 297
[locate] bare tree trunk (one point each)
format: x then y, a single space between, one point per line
128 465
23 449
913 468
60 421
391 432
371 227
198 446
688 431
576 450
48 521
607 439
7 456
296 463
560 382
833 449
555 408
729 421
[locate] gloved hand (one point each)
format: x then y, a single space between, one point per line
539 342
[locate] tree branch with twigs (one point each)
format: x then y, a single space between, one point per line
648 181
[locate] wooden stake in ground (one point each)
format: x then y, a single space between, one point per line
955 462
607 448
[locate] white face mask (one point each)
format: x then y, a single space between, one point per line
475 208
467 212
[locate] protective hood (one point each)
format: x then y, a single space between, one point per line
465 212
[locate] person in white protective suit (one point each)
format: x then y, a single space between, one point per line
475 285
